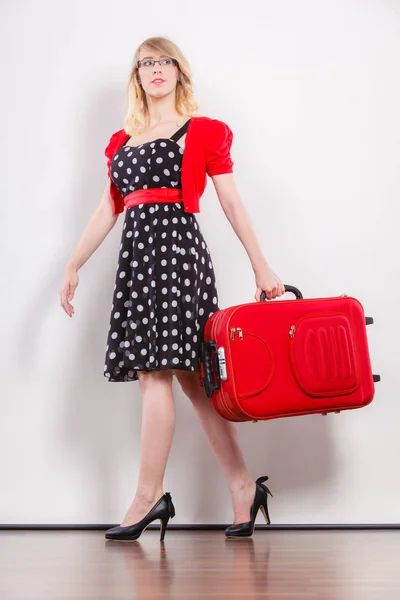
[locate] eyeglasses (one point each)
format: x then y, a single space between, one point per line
164 62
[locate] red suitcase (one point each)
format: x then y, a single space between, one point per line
282 358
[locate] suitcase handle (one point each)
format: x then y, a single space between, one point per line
288 288
208 380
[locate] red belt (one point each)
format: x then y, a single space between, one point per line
153 195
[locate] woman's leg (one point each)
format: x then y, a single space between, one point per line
158 423
223 439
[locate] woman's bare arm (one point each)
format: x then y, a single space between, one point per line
237 215
99 226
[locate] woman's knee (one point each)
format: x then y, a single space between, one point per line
189 382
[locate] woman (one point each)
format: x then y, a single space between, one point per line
165 284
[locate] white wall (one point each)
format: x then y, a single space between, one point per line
311 91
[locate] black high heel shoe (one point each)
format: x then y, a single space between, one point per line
163 510
260 501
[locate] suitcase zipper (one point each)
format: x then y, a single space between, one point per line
307 316
239 329
291 330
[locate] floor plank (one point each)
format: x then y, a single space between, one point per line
323 565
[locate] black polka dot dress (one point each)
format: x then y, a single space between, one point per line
165 287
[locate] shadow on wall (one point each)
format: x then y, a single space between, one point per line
101 421
98 421
296 452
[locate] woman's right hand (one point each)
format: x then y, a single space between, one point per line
67 289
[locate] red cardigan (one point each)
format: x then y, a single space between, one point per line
207 151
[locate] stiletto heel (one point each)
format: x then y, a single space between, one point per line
264 510
260 502
162 510
163 525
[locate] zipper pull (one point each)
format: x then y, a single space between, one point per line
233 329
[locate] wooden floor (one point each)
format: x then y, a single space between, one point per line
278 564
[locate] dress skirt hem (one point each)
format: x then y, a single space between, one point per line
132 375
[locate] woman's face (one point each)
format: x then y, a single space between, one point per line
159 79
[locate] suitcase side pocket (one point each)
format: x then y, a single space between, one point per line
323 356
253 363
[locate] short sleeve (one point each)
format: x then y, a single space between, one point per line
218 148
112 146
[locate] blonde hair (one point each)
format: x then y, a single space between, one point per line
137 118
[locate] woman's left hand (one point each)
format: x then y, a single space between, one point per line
267 281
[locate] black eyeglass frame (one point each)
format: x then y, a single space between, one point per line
138 64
